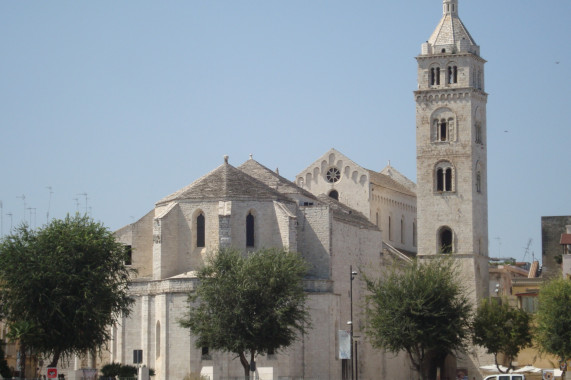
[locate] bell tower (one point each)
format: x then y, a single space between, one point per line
451 150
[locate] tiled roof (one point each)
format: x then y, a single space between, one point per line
346 213
386 181
272 179
449 31
399 177
225 183
565 239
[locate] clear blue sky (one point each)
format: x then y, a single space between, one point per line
128 101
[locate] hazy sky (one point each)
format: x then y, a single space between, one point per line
128 101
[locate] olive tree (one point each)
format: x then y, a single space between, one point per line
553 319
66 282
249 304
500 328
420 309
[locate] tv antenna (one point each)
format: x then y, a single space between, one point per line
10 215
85 195
49 204
23 198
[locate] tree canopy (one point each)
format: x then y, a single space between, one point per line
419 308
249 304
501 329
67 282
553 318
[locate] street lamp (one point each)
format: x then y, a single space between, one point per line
352 276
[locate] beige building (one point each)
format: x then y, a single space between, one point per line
337 214
250 207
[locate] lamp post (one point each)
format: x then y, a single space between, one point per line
351 277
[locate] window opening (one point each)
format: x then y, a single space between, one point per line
200 230
448 179
333 175
444 179
443 130
438 76
452 74
128 255
334 194
446 240
402 230
250 230
439 180
478 182
414 234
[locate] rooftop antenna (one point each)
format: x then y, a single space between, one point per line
1 220
34 212
49 204
85 195
527 250
10 215
499 239
76 204
23 198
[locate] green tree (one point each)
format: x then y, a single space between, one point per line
553 319
501 329
67 282
419 308
249 304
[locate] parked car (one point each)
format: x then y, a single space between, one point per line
506 376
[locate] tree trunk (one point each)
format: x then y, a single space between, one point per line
55 359
245 364
22 368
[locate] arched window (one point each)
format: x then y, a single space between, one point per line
200 230
478 182
452 74
444 177
377 218
250 230
445 240
402 230
443 126
434 76
334 194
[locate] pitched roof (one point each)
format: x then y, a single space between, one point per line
450 31
399 177
386 181
346 213
225 183
272 179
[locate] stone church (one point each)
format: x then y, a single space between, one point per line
338 215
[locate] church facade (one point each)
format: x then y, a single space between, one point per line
249 207
338 215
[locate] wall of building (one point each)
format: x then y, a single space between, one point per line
551 229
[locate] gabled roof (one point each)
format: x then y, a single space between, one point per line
386 181
399 177
346 213
272 179
225 183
